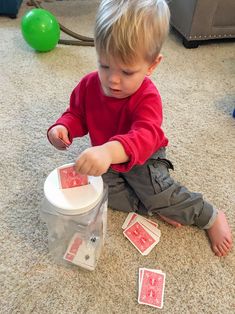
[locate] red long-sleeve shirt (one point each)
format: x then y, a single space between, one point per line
134 121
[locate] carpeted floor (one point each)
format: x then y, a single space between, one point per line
197 88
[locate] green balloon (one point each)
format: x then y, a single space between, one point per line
40 29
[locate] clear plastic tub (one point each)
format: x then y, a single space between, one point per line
76 219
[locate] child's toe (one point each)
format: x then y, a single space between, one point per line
223 249
228 244
216 250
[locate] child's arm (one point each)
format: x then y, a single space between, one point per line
72 123
96 160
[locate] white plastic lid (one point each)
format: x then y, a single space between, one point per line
73 201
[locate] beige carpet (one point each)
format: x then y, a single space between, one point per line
197 87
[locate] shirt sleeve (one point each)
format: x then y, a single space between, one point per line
74 118
145 136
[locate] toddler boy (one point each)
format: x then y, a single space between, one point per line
121 109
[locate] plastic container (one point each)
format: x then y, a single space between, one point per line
76 219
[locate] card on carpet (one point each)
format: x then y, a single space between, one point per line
141 232
151 287
133 215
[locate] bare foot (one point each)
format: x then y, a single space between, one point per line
170 221
220 235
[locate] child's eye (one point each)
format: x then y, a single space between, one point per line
127 73
103 66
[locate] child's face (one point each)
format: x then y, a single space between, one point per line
119 80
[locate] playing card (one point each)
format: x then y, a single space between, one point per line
73 248
152 287
141 270
143 239
129 219
140 277
153 223
132 216
66 145
146 223
81 252
69 178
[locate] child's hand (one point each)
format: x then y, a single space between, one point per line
58 136
94 161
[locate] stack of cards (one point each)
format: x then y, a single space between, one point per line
151 287
69 178
82 253
141 232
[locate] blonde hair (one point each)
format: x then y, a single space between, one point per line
128 29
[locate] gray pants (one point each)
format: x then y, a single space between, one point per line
149 189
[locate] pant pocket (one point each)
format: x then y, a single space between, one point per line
160 176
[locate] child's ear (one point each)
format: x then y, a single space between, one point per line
155 63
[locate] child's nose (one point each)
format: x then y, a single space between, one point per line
114 78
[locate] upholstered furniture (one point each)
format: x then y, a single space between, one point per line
200 20
9 7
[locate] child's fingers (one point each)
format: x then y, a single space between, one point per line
59 138
65 142
83 166
63 135
59 144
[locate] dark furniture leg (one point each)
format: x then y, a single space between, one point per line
190 44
